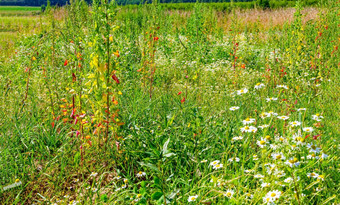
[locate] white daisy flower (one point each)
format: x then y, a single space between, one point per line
274 194
214 162
141 174
261 143
288 180
258 176
217 166
234 108
295 123
312 156
229 193
267 200
271 99
301 109
292 162
317 117
308 129
192 198
313 174
259 85
263 185
248 121
263 126
240 92
271 113
278 156
93 174
282 86
283 117
313 148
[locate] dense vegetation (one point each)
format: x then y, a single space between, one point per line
146 105
263 3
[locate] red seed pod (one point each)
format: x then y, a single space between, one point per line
74 78
183 100
114 77
66 62
179 93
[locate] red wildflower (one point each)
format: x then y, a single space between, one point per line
66 62
183 100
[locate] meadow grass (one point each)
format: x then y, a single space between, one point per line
145 105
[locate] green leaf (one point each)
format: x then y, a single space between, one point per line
156 195
157 181
151 166
165 146
169 154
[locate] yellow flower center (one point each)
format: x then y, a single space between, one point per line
278 157
273 195
228 194
268 137
313 147
262 142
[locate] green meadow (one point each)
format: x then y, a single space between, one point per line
170 104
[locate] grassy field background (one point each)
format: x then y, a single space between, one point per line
151 105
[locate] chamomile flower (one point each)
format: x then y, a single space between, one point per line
242 91
283 117
259 85
288 180
214 162
321 177
229 193
204 161
292 162
313 175
218 166
274 194
278 156
234 108
237 138
258 176
312 156
282 86
317 117
301 109
323 156
192 198
93 174
250 196
94 189
248 121
141 174
268 200
263 185
313 148
271 99
263 126
295 123
308 129
271 113
262 143
248 129
234 159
